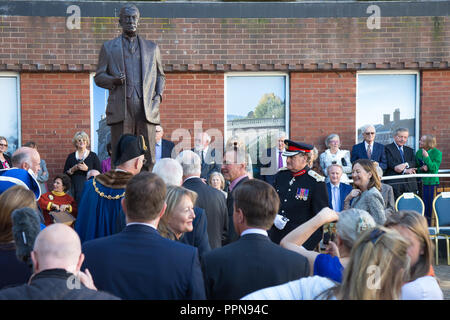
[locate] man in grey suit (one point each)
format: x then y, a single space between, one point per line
130 67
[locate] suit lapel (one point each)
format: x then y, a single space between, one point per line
146 60
117 53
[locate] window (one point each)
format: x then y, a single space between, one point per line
10 119
256 110
388 100
100 131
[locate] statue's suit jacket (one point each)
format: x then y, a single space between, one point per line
111 65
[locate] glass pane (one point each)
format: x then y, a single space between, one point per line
9 120
256 112
388 102
101 129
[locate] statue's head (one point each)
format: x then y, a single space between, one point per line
128 19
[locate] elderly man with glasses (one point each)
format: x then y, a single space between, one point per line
369 149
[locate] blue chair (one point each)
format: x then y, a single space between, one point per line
410 201
441 209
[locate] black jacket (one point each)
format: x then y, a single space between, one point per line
54 284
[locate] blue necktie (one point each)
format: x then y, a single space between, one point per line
401 153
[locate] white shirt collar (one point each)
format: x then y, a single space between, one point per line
145 224
191 177
366 144
254 230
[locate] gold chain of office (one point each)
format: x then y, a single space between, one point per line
102 194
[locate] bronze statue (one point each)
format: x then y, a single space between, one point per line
130 67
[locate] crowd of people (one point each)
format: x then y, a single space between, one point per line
198 227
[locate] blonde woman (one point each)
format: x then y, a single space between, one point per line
217 181
179 215
5 160
78 163
421 285
380 251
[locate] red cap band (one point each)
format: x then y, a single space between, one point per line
292 148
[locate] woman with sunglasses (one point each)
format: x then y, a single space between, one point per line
78 163
5 160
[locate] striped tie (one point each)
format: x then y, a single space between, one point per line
369 151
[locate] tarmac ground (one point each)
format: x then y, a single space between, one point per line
442 272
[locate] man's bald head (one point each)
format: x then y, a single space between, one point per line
26 158
57 246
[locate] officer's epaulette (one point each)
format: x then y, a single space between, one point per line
316 176
283 169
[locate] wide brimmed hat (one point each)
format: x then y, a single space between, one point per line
16 176
293 148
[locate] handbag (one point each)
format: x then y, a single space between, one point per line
62 217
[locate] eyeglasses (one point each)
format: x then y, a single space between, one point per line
367 133
3 145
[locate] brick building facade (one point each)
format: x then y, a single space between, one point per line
320 46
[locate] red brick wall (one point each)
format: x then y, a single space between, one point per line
190 97
435 110
234 44
323 103
54 107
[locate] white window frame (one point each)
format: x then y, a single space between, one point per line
258 74
19 106
417 106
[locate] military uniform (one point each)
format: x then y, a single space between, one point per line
302 196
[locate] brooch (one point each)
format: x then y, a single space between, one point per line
50 197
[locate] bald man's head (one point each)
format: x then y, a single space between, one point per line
27 158
57 246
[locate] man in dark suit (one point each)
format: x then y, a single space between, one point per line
235 172
130 67
253 262
210 199
369 149
207 155
163 147
274 160
400 161
138 263
337 191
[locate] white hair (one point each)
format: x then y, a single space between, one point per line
169 170
190 162
366 126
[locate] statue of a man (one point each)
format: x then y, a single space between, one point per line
130 67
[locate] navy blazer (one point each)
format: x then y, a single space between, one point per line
138 263
378 155
344 190
166 148
393 159
251 263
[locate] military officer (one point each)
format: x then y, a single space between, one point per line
302 191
